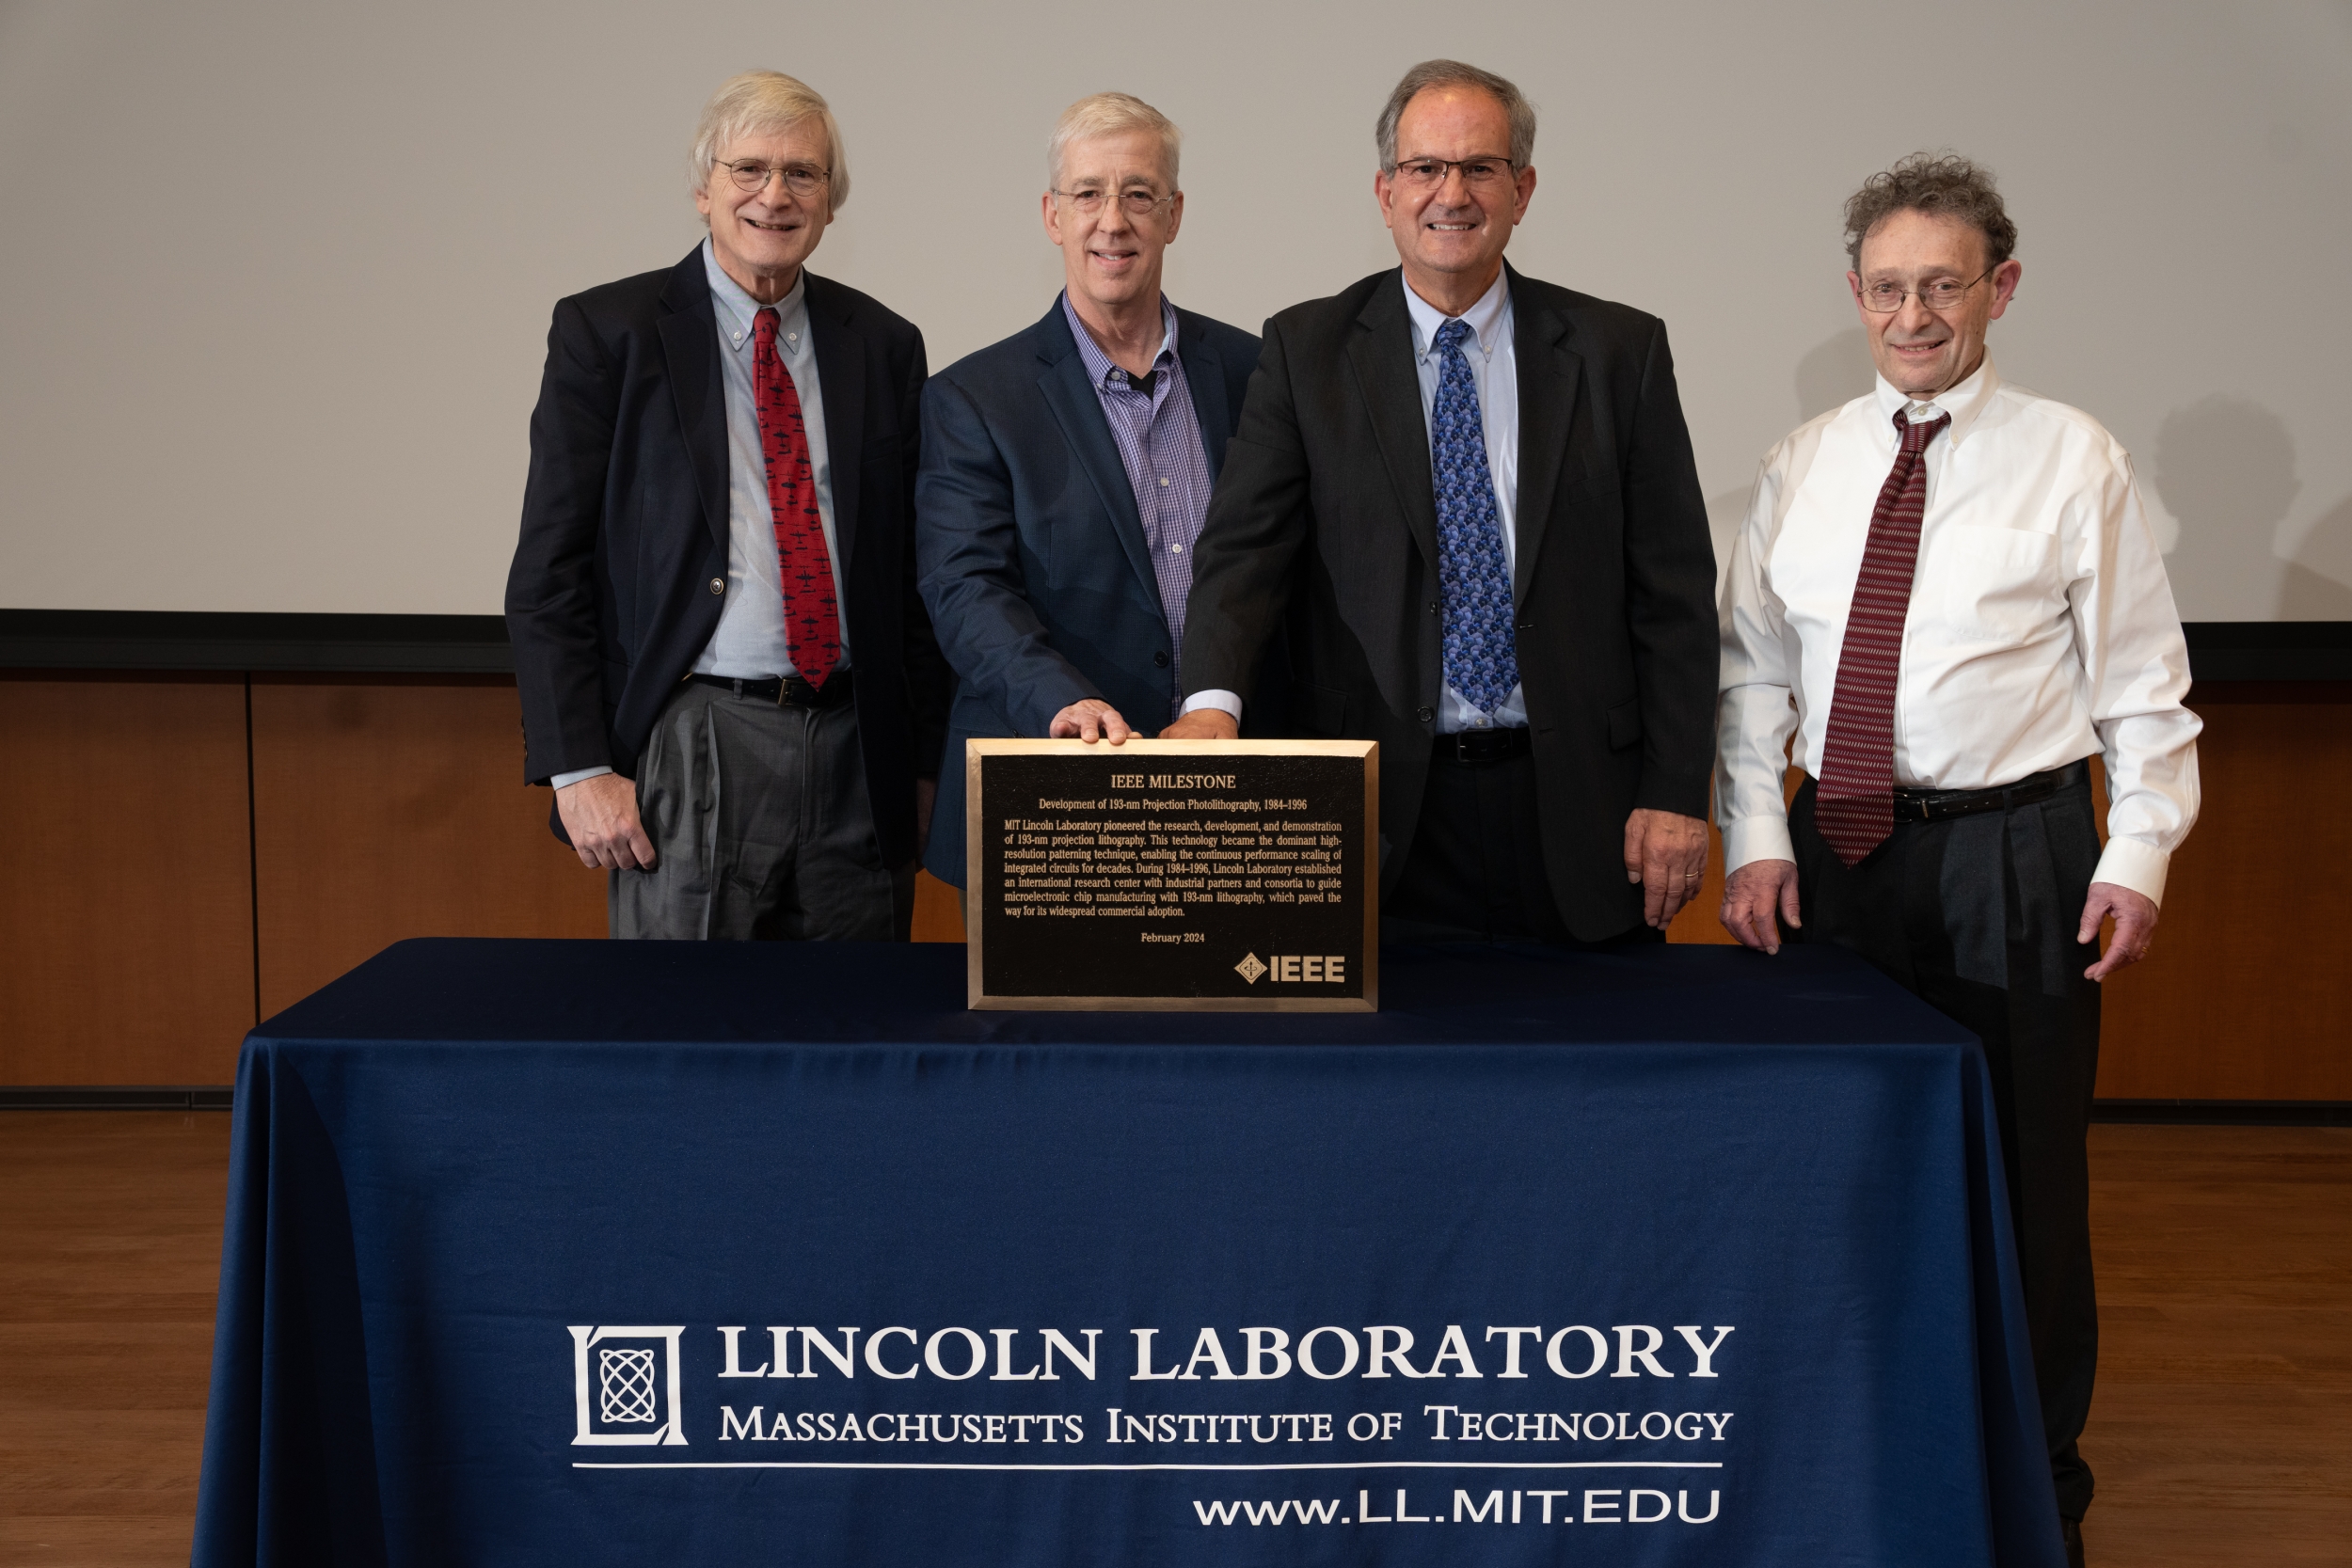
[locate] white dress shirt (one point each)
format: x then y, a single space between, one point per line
750 641
1495 371
2041 626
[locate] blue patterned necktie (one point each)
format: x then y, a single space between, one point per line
1482 660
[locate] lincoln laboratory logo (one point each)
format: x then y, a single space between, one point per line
624 1386
1249 968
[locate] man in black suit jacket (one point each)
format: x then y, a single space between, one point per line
724 668
1519 609
1066 469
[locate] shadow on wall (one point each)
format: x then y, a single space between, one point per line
1836 372
2317 585
2225 468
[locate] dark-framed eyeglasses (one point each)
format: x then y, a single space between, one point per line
804 180
1484 173
1137 201
1887 296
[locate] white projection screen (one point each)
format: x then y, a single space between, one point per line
278 275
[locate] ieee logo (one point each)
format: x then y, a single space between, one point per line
624 1386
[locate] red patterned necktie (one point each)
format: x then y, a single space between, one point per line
812 621
1854 807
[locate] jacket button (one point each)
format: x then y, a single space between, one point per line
1160 658
1433 607
1527 626
1425 714
717 585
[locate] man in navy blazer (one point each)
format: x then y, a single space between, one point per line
1066 470
726 670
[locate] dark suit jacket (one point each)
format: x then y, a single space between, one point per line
625 529
1034 563
1324 526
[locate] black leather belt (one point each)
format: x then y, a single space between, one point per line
785 691
1935 805
1499 745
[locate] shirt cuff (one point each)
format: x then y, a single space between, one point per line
1756 838
562 780
1224 702
2129 862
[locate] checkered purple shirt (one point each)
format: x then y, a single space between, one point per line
1158 435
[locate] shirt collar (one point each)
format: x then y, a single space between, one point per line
736 309
1099 366
1489 318
1963 402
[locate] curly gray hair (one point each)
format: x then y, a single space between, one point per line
1453 73
1943 184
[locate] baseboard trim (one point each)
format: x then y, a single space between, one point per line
117 1096
2225 1113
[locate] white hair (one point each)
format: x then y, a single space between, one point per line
765 101
1108 114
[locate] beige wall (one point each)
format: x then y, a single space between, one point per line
278 275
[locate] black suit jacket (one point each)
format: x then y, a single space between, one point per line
625 529
1033 557
1324 527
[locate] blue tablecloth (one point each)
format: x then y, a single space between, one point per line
574 1253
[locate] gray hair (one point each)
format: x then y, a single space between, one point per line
1108 114
1941 184
1453 73
765 101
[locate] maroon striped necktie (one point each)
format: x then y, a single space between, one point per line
1854 807
812 621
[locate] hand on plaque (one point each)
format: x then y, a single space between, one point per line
1090 720
1204 723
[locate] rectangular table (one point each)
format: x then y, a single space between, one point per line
573 1253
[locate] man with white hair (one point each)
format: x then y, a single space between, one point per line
1066 469
726 670
1948 594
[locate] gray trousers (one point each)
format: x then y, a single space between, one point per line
761 829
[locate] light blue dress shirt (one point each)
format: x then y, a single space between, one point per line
1495 369
750 641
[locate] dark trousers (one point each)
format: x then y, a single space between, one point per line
1475 872
1976 916
761 829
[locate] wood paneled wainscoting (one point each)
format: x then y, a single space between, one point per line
196 851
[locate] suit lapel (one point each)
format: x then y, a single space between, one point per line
690 349
841 374
1204 376
1549 373
1381 353
1062 379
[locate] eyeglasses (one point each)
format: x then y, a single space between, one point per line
1136 202
799 179
1479 174
1885 298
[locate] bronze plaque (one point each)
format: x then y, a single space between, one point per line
1236 875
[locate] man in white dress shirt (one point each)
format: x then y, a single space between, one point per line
1949 591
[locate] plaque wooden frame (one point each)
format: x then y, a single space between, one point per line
976 751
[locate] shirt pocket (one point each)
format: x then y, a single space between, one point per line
1976 586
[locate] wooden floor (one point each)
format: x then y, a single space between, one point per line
2222 1434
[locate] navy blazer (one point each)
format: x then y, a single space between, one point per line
1030 549
612 595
